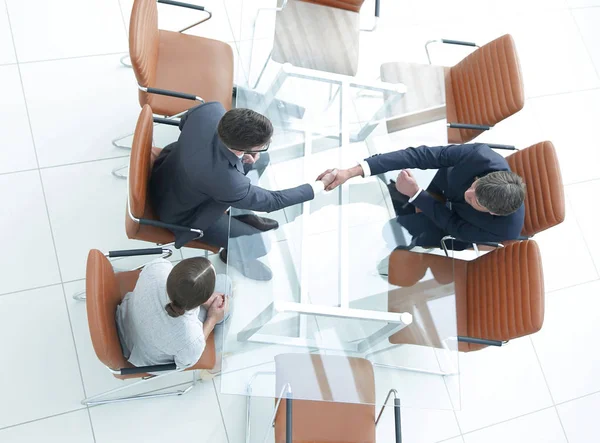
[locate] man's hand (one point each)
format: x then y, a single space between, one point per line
406 183
251 158
340 178
328 177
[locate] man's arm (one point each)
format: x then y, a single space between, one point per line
260 199
450 222
423 157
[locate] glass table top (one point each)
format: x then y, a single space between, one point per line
344 305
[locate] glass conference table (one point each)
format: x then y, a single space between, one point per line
330 296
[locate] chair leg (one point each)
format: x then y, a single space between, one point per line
123 61
100 399
79 296
249 400
117 172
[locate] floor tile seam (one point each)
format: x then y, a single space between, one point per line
509 419
221 410
41 418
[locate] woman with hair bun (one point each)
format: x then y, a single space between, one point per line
171 311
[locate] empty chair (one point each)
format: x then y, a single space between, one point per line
499 296
318 34
326 398
480 91
105 290
141 223
176 71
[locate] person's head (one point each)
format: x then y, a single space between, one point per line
244 130
190 284
499 193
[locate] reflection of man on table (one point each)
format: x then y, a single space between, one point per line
473 197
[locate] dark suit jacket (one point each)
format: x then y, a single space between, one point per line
458 165
196 179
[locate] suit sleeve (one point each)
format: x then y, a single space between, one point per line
422 157
450 222
256 198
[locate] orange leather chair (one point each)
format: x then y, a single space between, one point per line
481 90
350 419
174 69
499 296
104 291
140 222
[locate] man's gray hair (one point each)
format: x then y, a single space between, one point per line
500 192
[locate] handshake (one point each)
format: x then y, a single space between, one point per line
332 178
406 183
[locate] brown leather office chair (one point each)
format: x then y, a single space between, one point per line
105 290
342 399
141 223
499 296
545 199
480 91
176 71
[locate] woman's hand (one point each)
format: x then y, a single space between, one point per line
218 306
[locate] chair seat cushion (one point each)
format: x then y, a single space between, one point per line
345 390
424 100
194 65
327 422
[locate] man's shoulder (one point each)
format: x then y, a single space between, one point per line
212 109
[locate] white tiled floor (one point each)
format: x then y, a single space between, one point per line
68 96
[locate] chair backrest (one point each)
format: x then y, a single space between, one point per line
545 199
143 41
103 295
140 163
485 88
320 35
348 5
505 293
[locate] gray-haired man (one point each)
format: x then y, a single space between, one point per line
474 196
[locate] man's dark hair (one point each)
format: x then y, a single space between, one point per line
242 129
500 192
189 284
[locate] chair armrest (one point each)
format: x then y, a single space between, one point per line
480 341
182 4
497 146
188 6
137 252
448 42
169 226
458 42
166 121
169 93
489 243
469 126
145 369
377 8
